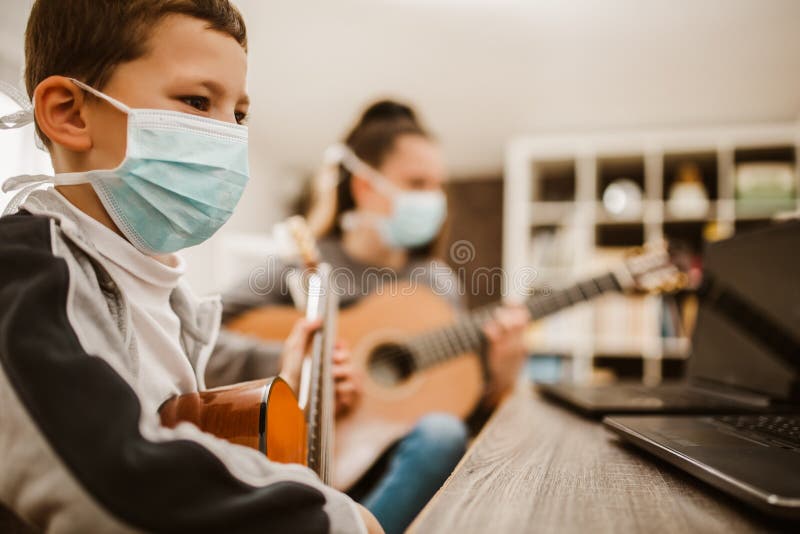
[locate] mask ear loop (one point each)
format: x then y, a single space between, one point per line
20 98
14 121
26 116
113 101
23 116
344 155
20 118
25 184
330 178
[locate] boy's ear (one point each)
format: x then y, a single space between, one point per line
59 108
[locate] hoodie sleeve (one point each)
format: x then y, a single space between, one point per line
237 357
266 285
76 449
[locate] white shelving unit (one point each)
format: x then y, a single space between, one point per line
591 161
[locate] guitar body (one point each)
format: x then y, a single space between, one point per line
387 412
262 414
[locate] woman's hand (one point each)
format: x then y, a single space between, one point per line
347 384
346 381
507 353
294 350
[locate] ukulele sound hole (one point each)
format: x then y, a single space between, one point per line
391 364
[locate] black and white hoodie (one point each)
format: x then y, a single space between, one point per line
78 453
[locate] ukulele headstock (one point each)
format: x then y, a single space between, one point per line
651 269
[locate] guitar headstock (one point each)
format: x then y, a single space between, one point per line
297 242
651 270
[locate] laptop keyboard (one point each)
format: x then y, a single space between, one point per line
785 428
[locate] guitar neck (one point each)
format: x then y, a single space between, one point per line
322 303
466 335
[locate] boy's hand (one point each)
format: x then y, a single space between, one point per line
506 348
295 348
346 380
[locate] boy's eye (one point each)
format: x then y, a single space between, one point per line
241 117
200 103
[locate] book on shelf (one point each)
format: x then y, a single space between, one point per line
623 324
556 334
552 251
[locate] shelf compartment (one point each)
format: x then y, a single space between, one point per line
690 233
781 153
769 186
554 181
612 169
706 163
619 235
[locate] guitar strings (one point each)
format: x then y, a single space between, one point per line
439 346
450 341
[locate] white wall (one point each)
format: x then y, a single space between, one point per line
481 71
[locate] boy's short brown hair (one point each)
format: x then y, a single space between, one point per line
88 39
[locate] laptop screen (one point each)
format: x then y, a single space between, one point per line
748 324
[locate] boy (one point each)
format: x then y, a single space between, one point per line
138 103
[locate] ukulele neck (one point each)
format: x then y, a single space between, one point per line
467 336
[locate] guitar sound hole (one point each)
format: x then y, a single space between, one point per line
390 364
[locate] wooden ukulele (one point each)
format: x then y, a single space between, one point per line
265 414
417 357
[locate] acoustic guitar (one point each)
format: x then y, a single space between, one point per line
265 414
417 357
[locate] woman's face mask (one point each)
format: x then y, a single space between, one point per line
416 217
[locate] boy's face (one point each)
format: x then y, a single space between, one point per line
187 68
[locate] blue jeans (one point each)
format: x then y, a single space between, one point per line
419 465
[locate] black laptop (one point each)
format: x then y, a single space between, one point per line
755 458
745 344
749 335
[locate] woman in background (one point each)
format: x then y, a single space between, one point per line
385 208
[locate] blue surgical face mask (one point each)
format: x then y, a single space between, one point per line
416 219
181 178
417 216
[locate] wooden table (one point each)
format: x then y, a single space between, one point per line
537 467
